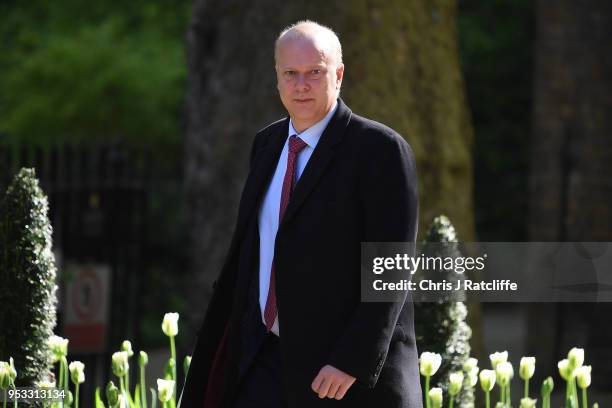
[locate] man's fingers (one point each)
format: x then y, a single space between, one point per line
332 383
333 389
324 389
316 383
343 389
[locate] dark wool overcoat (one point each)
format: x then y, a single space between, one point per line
359 185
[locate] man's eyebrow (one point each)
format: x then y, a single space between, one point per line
293 68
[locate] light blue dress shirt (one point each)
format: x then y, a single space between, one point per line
269 210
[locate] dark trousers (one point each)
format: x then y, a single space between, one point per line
262 383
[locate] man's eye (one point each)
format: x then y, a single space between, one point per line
289 73
316 71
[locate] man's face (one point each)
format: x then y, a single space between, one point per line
308 80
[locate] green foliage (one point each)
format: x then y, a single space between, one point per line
94 74
27 273
441 326
94 85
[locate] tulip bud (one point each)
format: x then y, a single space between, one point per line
527 367
487 380
429 363
165 389
120 363
469 364
498 357
435 395
583 376
528 403
112 394
127 347
575 357
143 359
11 370
455 382
473 377
70 398
565 370
547 386
186 364
504 373
77 373
58 346
170 324
4 376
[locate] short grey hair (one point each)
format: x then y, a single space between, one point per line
304 29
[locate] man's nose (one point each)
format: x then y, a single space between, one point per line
300 81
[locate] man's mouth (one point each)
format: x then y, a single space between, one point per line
303 100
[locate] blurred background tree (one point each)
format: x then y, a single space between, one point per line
570 166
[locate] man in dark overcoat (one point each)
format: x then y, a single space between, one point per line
286 326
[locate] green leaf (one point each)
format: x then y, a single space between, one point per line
153 398
99 403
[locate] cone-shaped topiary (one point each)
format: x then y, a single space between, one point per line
27 272
440 326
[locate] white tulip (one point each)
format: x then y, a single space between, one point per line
455 381
504 373
120 363
77 372
565 370
487 380
583 376
498 357
527 367
435 395
528 403
58 347
470 363
170 324
473 377
165 389
575 357
429 363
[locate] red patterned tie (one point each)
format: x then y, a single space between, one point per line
295 146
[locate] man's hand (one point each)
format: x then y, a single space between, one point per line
332 383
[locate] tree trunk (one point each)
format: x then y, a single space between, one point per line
571 163
402 69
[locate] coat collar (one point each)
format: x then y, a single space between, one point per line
267 157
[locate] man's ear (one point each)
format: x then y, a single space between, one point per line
339 75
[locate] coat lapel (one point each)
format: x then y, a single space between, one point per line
264 164
322 155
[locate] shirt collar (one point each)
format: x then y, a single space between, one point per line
312 135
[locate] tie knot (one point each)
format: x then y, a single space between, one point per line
296 144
